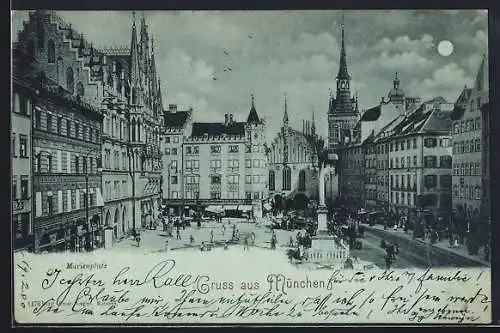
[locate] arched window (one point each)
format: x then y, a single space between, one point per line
70 80
51 51
287 179
80 91
272 178
302 180
40 34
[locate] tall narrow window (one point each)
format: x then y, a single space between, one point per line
40 34
51 52
271 180
70 80
302 180
286 178
49 163
80 91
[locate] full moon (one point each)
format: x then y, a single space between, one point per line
445 48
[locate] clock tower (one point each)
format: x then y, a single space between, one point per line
343 112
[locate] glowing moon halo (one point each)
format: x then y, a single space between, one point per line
445 48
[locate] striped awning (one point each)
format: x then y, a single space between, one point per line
245 208
230 207
214 209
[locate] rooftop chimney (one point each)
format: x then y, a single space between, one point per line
231 120
172 108
226 119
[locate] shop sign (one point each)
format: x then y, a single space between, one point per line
18 205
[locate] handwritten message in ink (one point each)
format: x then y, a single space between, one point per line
155 289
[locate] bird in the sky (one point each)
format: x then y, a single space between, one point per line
250 36
214 78
227 69
226 52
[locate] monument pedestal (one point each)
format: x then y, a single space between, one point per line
324 247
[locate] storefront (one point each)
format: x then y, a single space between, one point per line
53 241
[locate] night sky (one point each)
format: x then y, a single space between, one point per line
297 53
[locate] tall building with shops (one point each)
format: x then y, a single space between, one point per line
177 126
343 113
224 165
470 156
66 138
293 165
360 180
120 84
420 157
22 217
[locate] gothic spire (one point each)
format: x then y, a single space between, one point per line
343 73
313 125
134 58
285 115
160 96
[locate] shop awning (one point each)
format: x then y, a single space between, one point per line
214 209
245 208
230 207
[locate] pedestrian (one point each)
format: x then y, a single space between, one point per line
166 245
138 240
246 243
178 236
191 240
211 236
202 246
388 262
225 245
223 230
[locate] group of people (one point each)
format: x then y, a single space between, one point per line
391 249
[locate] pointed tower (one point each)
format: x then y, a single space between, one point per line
343 77
482 78
313 125
285 114
343 113
135 72
253 117
160 97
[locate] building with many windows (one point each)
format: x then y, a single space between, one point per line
120 83
66 137
470 161
22 222
420 163
293 165
177 126
223 165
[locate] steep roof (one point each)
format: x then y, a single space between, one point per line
371 114
425 120
253 117
176 119
216 129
